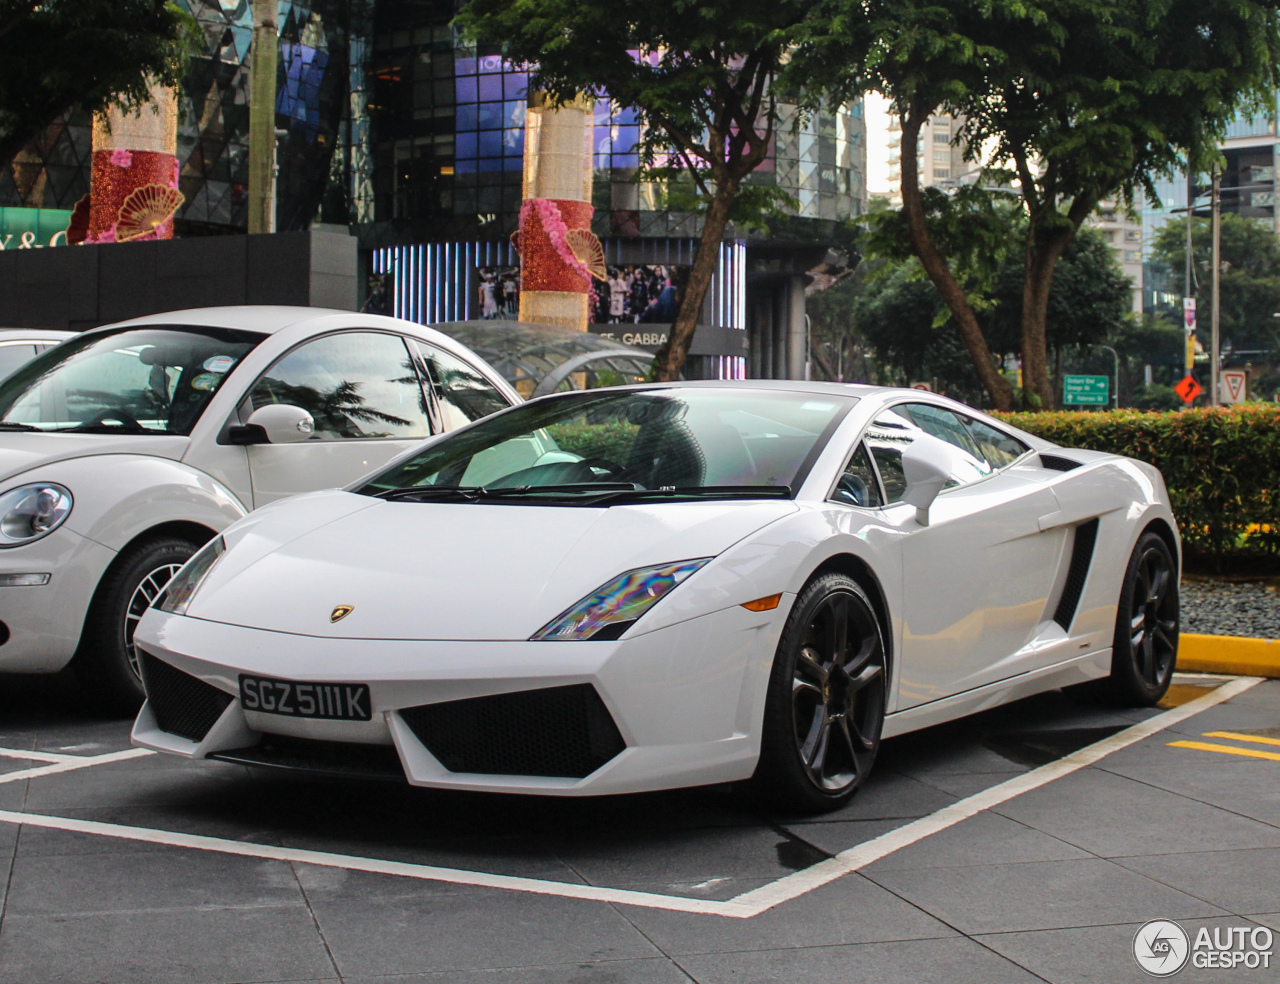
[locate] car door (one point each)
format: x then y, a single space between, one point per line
977 579
366 394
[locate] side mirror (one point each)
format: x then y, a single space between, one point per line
279 423
926 465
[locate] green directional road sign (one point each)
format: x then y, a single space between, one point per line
1079 390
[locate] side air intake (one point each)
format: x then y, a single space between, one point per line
183 705
1077 573
1057 462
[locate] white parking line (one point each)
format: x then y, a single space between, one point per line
67 763
741 907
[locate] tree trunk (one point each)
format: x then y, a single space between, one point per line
671 357
1041 258
935 266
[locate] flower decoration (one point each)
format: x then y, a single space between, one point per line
121 158
558 232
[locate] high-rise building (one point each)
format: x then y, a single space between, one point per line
940 155
1123 234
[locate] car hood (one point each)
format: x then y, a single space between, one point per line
21 451
414 570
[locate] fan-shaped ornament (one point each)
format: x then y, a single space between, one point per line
588 250
146 210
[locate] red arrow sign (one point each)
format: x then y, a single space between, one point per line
1188 388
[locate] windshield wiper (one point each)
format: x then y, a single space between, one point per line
105 428
472 493
10 425
424 492
573 488
692 492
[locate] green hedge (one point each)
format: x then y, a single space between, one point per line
1222 466
610 440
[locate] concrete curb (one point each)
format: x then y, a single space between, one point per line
1229 654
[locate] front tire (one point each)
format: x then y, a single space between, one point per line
825 708
107 661
1145 647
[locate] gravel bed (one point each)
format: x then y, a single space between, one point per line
1227 608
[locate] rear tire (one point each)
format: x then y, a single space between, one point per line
1145 648
106 664
825 708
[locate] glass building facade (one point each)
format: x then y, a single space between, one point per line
1248 190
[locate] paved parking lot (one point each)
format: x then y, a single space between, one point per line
1026 844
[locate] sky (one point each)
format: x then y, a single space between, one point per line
877 120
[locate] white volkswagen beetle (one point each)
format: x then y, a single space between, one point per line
665 585
127 447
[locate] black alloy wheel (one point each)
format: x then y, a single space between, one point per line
825 708
1145 647
107 661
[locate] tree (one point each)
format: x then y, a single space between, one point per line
1083 100
899 312
699 75
89 53
1250 276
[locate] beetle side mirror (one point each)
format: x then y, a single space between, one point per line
279 423
926 465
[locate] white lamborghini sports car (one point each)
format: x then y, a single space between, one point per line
666 585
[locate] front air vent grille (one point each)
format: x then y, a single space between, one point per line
555 731
1057 462
183 705
1081 557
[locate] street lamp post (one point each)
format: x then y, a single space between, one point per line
1116 356
1215 357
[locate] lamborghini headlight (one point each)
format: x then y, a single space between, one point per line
30 512
183 585
613 608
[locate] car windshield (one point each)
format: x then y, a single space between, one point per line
152 380
620 445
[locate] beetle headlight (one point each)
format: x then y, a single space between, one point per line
32 511
183 585
612 608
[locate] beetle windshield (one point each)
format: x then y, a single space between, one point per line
151 380
618 444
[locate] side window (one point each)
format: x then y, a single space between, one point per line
897 428
15 356
858 485
465 395
355 385
1000 449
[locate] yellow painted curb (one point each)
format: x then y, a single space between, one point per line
1229 654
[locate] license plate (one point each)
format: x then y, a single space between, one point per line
328 701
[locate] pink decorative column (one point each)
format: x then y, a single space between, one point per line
558 252
134 185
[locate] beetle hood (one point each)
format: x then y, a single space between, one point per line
22 451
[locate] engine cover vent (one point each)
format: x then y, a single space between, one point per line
1077 573
1057 462
554 731
183 705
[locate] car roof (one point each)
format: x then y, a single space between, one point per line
859 390
36 334
265 318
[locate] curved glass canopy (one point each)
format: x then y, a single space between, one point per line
542 359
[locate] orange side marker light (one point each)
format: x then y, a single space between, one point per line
766 604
